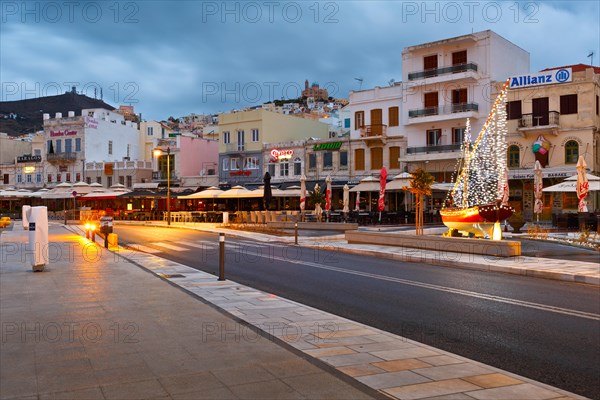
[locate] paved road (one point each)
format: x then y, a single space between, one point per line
545 330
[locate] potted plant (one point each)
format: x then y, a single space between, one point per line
516 221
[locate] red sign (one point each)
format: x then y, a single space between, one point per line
236 173
282 154
66 132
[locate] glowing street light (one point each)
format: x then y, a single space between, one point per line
157 153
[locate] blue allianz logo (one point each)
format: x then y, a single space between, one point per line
562 75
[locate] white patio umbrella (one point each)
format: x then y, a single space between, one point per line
346 199
357 204
237 192
583 186
569 185
538 186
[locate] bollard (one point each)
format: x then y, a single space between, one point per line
221 256
106 240
296 233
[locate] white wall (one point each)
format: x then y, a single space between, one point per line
108 126
378 97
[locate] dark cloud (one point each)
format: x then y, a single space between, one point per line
174 58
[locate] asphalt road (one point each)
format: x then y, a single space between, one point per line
542 329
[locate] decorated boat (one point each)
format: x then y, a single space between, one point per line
478 201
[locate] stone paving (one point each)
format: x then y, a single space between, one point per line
397 367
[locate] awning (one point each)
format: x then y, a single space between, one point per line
368 184
399 182
570 185
145 185
237 192
210 193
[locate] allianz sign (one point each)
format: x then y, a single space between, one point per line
542 78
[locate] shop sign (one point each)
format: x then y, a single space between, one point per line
29 169
29 158
239 173
108 169
277 154
66 132
542 78
327 146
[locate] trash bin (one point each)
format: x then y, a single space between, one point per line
38 237
225 217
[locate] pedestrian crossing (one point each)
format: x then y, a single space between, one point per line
184 245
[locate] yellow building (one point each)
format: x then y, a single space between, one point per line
553 117
243 133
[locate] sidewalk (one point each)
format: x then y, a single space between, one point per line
395 366
95 326
563 270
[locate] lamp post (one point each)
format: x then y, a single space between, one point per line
157 153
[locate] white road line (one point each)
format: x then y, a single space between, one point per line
199 245
169 246
522 303
145 249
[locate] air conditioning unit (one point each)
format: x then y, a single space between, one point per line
332 134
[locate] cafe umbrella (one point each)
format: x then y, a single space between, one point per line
267 195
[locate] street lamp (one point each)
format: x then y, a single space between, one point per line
157 153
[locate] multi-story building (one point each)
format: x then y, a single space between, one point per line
445 82
150 131
553 117
242 135
21 163
74 143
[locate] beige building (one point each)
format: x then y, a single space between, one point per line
242 135
553 117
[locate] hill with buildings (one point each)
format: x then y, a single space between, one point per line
25 116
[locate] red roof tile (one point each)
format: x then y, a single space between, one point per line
576 68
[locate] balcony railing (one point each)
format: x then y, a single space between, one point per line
429 73
551 118
64 156
447 109
162 176
233 147
373 130
434 149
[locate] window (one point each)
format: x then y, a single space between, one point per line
343 160
99 180
571 152
430 62
110 143
284 169
38 178
78 176
37 152
225 164
226 137
49 178
58 177
88 180
255 136
597 105
58 146
394 157
568 104
513 110
122 180
49 146
312 161
327 160
458 135
240 140
78 144
129 181
297 166
359 119
235 164
68 177
68 145
19 178
109 181
434 137
271 168
150 131
28 178
251 163
459 57
430 101
347 123
359 159
459 96
376 157
514 156
393 116
128 149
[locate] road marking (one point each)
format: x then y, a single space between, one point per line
522 303
198 245
169 246
145 249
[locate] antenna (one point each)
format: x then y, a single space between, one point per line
360 79
591 56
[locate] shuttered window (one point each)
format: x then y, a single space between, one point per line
394 156
393 116
568 104
359 159
376 157
359 119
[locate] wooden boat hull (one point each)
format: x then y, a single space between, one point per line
478 220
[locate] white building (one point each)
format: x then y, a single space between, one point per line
445 82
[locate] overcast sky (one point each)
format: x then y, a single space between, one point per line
176 58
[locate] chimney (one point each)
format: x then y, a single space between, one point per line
58 115
45 116
71 114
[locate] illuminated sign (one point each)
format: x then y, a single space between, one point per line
282 154
327 146
238 173
28 170
29 158
542 78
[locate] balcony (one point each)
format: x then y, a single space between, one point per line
162 176
442 148
61 157
448 109
374 134
234 147
430 73
549 121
